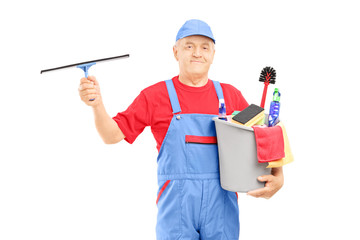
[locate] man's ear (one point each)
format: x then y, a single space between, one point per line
213 57
175 51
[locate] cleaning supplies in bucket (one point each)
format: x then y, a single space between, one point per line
222 110
274 109
289 157
267 75
249 116
238 164
269 143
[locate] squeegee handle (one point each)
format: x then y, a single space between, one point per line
85 68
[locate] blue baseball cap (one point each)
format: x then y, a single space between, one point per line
195 27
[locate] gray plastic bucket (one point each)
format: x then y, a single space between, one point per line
238 163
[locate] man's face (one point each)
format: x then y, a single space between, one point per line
195 54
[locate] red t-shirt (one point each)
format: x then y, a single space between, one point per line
153 108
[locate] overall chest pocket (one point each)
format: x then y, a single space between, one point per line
202 154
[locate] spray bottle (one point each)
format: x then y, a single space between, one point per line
274 109
222 110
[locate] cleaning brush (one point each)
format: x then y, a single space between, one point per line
268 75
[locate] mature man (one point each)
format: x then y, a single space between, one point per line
191 202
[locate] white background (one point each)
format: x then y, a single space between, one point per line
59 181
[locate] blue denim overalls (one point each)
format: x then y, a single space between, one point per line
191 203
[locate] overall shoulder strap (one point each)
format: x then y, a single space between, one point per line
218 89
173 96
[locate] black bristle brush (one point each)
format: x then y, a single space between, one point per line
268 75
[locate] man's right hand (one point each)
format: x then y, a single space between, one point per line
89 89
108 129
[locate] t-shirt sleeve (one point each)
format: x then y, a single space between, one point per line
241 101
134 119
235 98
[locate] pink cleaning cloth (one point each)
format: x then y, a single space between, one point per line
269 143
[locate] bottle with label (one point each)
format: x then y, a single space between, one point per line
222 110
274 109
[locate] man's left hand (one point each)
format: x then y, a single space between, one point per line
273 184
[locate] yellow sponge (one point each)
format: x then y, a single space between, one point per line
249 116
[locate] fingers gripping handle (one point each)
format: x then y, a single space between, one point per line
85 68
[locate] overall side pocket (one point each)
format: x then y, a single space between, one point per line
202 154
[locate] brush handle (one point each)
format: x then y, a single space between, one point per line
266 84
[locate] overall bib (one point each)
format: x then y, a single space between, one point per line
191 203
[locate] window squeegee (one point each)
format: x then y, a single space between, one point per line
85 65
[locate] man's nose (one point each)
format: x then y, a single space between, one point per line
197 52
